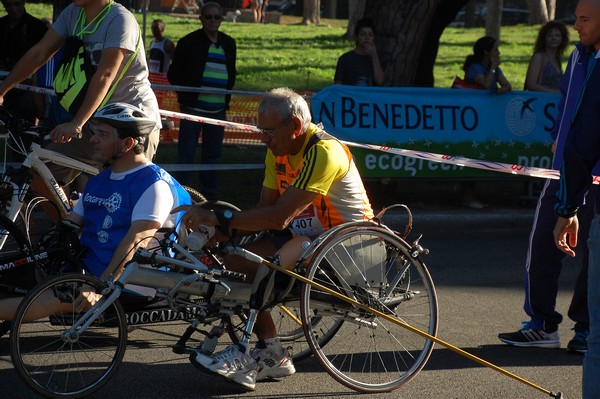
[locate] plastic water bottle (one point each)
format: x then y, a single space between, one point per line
210 342
197 239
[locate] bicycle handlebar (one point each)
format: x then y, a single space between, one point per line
21 127
18 126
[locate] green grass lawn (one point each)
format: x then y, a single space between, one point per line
304 57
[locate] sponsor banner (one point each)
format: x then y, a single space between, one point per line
512 128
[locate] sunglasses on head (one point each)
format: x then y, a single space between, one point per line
215 17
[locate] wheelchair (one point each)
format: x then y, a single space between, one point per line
363 276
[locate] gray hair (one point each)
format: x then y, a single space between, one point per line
211 4
287 104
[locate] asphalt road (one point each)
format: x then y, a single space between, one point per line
476 262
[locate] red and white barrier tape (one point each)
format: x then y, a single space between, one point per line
202 119
462 161
427 156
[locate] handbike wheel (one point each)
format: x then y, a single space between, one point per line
57 366
374 267
288 323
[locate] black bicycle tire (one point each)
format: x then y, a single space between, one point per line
22 248
15 344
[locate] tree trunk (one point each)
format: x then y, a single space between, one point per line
551 6
493 18
541 11
311 13
407 34
356 10
330 8
470 14
444 14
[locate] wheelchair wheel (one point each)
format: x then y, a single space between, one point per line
288 323
374 267
58 366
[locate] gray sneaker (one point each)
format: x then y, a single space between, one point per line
271 364
528 337
233 363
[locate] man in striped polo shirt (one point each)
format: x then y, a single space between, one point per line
204 58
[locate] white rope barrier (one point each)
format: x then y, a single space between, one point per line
466 162
201 119
427 156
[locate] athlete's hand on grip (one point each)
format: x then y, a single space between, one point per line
65 132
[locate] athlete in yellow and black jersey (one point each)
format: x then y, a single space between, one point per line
324 166
311 184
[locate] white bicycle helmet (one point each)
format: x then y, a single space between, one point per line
129 120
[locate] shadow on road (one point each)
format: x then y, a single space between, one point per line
502 356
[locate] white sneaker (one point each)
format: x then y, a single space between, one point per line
233 363
271 364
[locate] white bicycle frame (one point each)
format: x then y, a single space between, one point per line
36 159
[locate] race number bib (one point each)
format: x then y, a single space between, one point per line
307 224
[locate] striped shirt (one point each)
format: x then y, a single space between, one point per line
214 76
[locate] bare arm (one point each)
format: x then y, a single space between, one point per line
170 48
108 68
534 71
137 235
486 80
505 86
377 70
267 215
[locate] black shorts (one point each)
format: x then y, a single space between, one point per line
279 237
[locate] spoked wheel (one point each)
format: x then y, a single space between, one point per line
61 366
36 217
288 323
374 267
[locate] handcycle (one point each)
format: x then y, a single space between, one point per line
73 354
31 242
17 201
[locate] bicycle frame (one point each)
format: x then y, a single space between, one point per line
325 315
205 283
36 160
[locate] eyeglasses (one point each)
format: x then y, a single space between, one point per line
270 132
211 17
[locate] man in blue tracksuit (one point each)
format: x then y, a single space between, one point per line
544 261
581 153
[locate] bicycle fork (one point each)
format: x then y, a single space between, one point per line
83 322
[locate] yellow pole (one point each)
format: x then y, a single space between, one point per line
359 305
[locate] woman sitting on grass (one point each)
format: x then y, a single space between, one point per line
482 68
